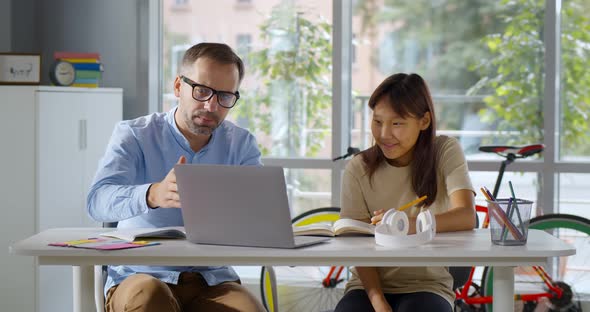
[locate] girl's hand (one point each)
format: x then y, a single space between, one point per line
382 306
378 215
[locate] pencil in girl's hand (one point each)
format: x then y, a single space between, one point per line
412 203
408 205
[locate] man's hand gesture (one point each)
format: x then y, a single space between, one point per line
164 194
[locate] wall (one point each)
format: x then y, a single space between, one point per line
109 27
5 25
24 21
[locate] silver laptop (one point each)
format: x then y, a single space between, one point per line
237 205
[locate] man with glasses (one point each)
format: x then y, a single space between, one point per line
135 184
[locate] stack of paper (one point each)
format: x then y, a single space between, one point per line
103 244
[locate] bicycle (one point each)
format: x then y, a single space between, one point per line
301 287
533 285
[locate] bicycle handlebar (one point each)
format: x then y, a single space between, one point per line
351 151
516 151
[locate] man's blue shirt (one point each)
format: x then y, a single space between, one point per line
141 152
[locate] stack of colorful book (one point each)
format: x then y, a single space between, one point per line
87 65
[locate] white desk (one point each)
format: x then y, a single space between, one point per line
447 249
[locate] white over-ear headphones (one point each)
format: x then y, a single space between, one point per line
393 230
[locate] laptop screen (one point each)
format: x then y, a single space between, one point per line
235 205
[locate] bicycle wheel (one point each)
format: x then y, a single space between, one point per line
318 215
571 273
301 288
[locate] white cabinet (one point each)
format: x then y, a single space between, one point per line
52 139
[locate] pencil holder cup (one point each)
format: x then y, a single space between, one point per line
509 220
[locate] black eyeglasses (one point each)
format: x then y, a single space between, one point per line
203 93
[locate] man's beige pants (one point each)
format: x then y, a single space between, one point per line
143 292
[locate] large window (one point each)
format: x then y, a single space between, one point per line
286 46
488 64
287 92
575 81
573 198
485 87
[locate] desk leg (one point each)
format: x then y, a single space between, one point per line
83 288
503 289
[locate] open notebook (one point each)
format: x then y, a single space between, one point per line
340 227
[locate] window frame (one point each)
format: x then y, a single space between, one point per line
550 167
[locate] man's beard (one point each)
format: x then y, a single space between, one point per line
202 129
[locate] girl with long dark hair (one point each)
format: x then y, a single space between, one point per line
407 161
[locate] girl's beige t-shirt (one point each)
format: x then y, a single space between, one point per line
391 187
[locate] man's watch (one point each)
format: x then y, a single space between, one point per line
147 202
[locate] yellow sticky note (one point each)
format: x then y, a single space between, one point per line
80 241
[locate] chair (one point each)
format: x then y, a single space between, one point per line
460 275
100 277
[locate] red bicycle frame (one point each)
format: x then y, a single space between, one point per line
330 281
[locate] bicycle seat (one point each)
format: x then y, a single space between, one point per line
518 151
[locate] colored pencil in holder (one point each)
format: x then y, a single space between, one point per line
497 212
509 211
516 207
503 220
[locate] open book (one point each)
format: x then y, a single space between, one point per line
340 227
133 233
